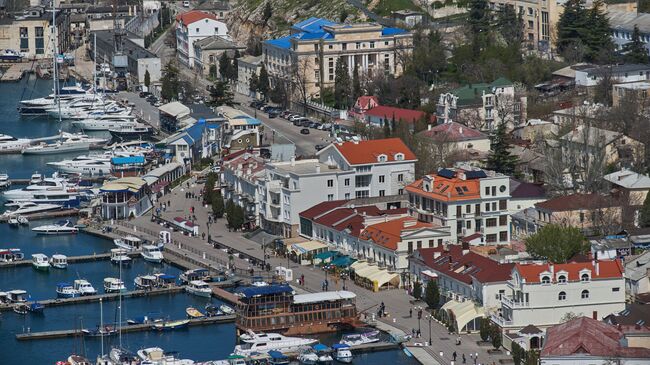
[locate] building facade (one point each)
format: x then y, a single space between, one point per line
248 66
239 175
207 52
125 198
470 201
194 26
30 32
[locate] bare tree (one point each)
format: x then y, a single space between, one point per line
300 79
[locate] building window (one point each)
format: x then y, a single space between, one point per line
430 243
39 42
561 279
400 178
561 296
546 280
503 220
503 204
491 238
382 192
362 194
616 289
491 222
382 178
347 196
584 277
400 191
372 44
24 39
346 182
410 248
584 294
330 183
503 236
487 190
330 197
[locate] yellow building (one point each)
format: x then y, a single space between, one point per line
29 33
308 55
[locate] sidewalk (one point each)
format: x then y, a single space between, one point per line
396 300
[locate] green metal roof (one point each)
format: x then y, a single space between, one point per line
471 93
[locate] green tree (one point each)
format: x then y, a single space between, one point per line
356 84
170 83
511 26
221 94
387 129
532 357
518 354
236 218
556 243
484 329
644 214
599 41
635 51
426 60
224 66
253 83
268 12
479 24
263 85
417 290
500 159
212 71
571 25
343 14
230 208
589 28
432 294
495 336
341 85
147 78
218 208
231 71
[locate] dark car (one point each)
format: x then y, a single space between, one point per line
144 94
319 147
272 114
304 131
305 123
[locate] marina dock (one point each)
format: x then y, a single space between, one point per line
125 329
71 259
15 72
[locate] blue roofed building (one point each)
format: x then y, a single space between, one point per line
315 45
189 145
123 166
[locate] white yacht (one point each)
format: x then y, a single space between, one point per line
108 109
37 178
343 353
354 339
20 208
265 342
69 142
9 144
39 106
37 184
59 261
104 124
113 285
157 356
85 165
40 261
4 181
84 287
200 288
151 254
120 256
129 243
62 227
72 107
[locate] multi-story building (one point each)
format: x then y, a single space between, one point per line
470 201
545 294
633 91
539 19
622 24
633 188
483 106
240 130
312 49
193 26
239 175
208 50
247 66
346 170
615 148
30 32
452 136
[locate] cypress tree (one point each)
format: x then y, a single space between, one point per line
635 51
644 214
263 85
500 158
341 85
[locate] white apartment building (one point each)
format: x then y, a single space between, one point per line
356 169
239 175
314 46
193 26
470 201
544 294
247 66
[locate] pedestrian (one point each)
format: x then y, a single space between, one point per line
203 235
410 312
454 355
464 359
458 340
413 332
419 333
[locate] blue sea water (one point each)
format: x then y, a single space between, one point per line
200 343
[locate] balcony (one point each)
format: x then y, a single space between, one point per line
514 304
502 322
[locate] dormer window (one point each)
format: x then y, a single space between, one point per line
584 277
399 157
561 279
546 279
382 158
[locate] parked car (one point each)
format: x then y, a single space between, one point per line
255 104
296 123
305 122
272 114
304 131
319 147
144 94
285 114
315 125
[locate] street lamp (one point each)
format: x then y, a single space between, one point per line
419 318
429 330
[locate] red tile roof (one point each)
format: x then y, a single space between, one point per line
447 189
607 269
193 16
463 267
453 132
366 102
389 112
579 201
389 234
585 336
321 208
366 152
334 214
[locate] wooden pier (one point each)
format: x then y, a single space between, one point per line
15 72
125 329
71 259
45 215
224 295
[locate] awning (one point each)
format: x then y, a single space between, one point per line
463 312
384 277
326 255
309 246
343 261
358 265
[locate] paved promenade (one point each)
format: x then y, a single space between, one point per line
397 301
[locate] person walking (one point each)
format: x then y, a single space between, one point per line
454 355
410 312
464 359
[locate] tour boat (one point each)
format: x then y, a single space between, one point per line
195 274
193 313
343 353
200 288
157 356
9 144
104 124
120 256
226 309
11 255
10 55
113 285
151 254
133 131
40 261
129 243
17 296
59 261
84 287
61 227
354 339
66 290
170 325
145 282
88 166
20 208
265 342
164 280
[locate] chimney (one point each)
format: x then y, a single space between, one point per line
318 169
460 130
551 268
597 268
465 251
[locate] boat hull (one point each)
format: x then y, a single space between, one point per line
57 149
67 295
53 232
199 293
41 267
60 266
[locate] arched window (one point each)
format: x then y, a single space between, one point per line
546 280
585 294
561 279
584 277
561 296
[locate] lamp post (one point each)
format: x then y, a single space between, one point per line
429 329
419 318
264 253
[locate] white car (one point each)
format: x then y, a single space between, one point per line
186 4
295 117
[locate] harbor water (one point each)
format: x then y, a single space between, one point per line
200 343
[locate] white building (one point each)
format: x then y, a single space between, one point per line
470 201
545 294
239 175
247 66
358 169
637 275
193 26
619 73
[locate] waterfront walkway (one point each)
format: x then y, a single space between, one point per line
397 301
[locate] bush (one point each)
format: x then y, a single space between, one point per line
495 334
484 330
417 290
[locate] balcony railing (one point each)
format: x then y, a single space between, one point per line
500 320
514 304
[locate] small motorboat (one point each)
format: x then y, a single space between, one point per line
278 358
157 356
66 290
193 313
152 317
78 360
4 178
20 308
11 255
22 220
165 280
120 256
84 287
113 285
200 288
10 55
99 331
59 261
62 227
308 357
196 274
145 282
152 254
36 307
212 310
343 353
226 309
360 338
129 243
40 262
170 325
16 296
323 352
13 221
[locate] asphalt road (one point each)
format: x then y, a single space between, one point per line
142 108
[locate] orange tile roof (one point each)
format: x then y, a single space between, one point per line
365 152
446 189
388 234
193 16
607 269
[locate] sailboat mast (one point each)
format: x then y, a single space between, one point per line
95 62
55 52
119 316
101 324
